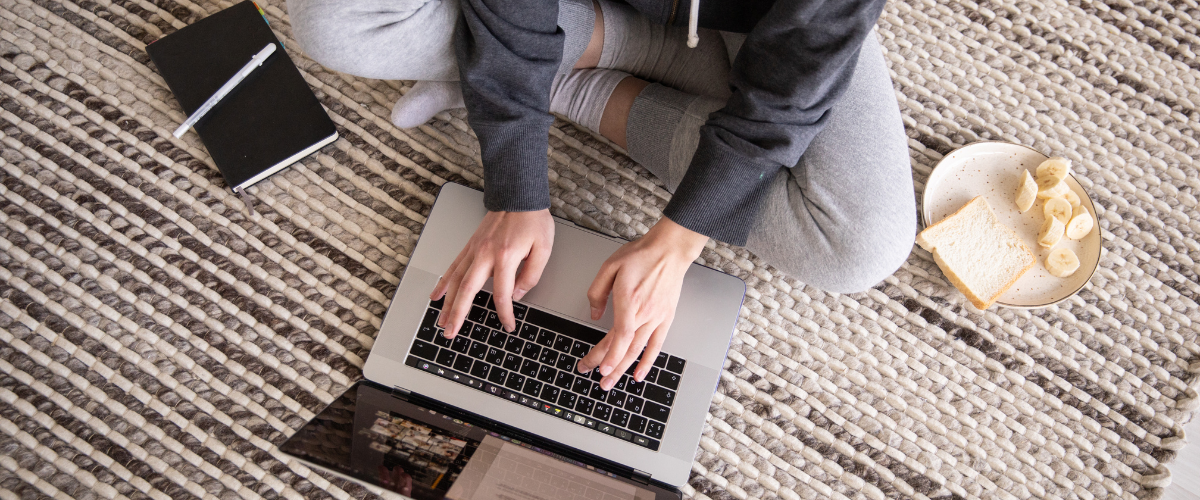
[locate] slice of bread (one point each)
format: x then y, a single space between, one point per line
982 257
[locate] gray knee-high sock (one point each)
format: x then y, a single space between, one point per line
664 130
577 19
660 54
582 94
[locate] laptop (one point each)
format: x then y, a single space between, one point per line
494 415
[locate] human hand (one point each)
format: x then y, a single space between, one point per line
644 277
501 243
396 479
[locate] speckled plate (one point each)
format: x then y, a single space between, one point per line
993 170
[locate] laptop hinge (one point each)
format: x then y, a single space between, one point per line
640 476
401 393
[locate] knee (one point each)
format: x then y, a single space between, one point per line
314 30
861 256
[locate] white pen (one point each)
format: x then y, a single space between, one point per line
254 63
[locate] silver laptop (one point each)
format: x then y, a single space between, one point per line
495 410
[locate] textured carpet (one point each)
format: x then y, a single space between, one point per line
158 342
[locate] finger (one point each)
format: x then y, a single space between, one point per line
601 286
653 347
439 290
623 331
531 273
502 292
472 281
592 359
453 278
631 355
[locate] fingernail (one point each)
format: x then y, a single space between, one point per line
510 329
607 384
639 376
605 370
596 312
518 293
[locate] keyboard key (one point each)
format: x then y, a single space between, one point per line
597 392
462 364
512 362
497 376
494 356
675 364
529 368
585 406
620 418
635 387
527 332
546 374
563 326
549 393
661 360
528 401
480 370
668 380
513 396
566 362
581 386
496 338
595 375
478 350
660 395
602 412
479 332
437 304
440 339
656 411
477 314
493 321
494 390
546 338
579 349
428 325
637 423
548 357
624 434
654 429
531 350
481 298
564 380
424 350
461 344
514 344
616 398
563 343
445 358
532 387
641 441
515 382
621 382
606 428
635 404
567 399
652 376
519 310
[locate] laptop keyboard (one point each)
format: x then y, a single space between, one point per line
535 367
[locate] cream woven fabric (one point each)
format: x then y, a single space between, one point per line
158 342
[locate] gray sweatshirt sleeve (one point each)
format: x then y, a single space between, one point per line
794 65
508 52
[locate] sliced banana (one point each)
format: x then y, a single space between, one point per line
1062 262
1081 224
1059 209
1051 233
1054 170
1026 192
1047 190
1073 199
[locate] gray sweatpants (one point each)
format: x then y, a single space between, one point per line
842 219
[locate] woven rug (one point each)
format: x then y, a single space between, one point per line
156 341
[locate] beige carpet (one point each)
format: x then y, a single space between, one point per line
158 342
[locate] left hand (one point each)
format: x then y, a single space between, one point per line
644 277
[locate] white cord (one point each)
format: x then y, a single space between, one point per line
693 25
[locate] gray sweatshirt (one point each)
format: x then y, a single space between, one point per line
796 62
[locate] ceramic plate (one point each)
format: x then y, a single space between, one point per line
993 170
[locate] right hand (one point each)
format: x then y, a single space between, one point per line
501 243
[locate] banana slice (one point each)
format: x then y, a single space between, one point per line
1051 233
1026 192
1073 199
1062 262
1047 190
1059 209
1055 168
1081 224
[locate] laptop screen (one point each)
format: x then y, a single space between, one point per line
374 437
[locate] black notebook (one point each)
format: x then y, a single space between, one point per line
271 120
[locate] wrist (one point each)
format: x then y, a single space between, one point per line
688 242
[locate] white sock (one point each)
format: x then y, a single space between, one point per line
425 99
660 54
582 94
